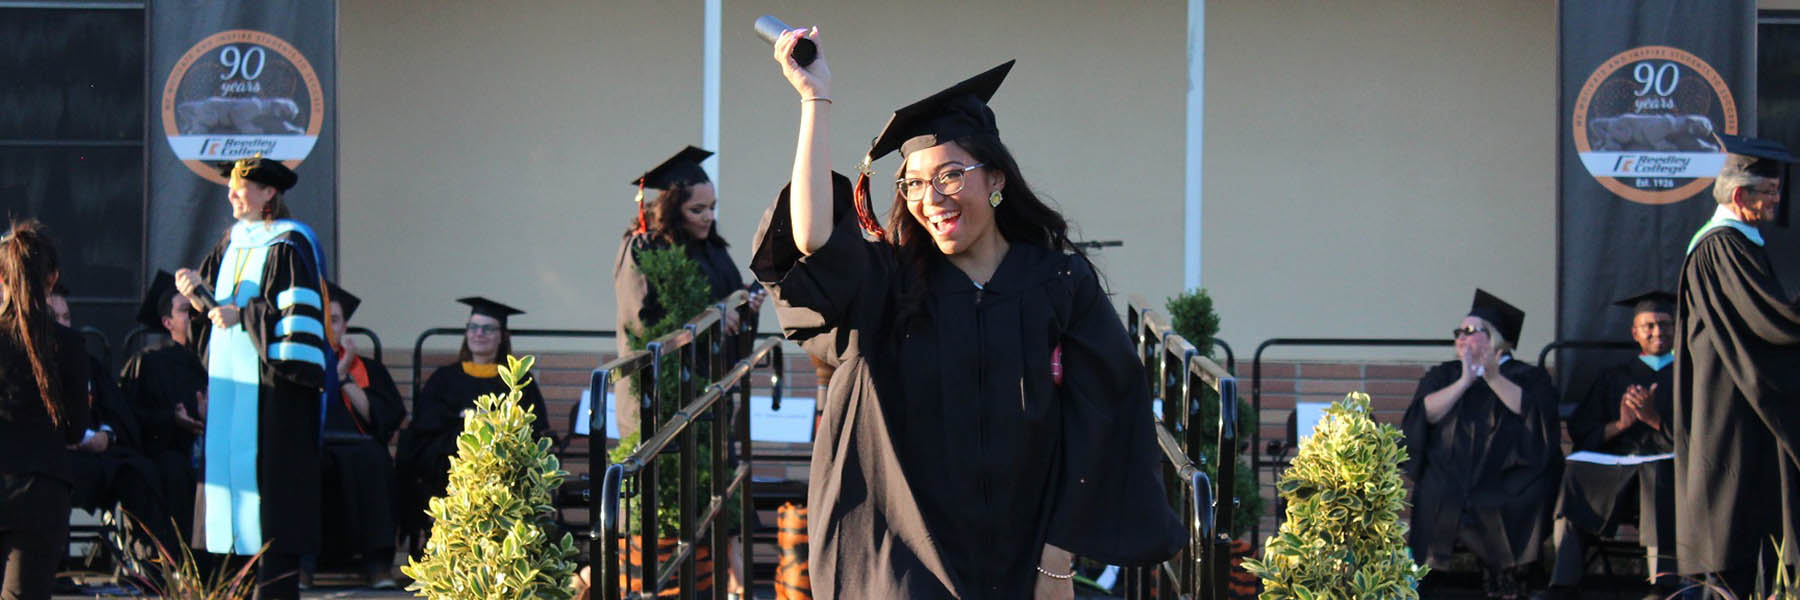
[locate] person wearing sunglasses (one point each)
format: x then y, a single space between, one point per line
952 459
422 456
1484 451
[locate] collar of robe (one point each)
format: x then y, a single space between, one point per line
1723 217
1011 277
479 371
1657 362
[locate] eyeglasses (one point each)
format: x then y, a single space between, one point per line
1462 332
478 328
948 182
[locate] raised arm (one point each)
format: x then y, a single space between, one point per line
810 206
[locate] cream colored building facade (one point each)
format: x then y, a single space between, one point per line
1366 164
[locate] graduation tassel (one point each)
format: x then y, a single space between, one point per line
642 226
864 210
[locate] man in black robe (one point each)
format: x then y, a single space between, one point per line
163 384
1737 383
108 467
1628 412
357 473
1484 451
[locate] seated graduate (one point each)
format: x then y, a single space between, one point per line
164 383
107 466
1484 451
1625 413
356 472
422 458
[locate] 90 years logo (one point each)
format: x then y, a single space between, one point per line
1646 124
239 93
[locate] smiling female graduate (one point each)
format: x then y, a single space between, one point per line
952 461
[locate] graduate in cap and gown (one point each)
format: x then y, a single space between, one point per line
683 215
267 357
422 457
952 460
357 475
1737 381
1628 412
164 383
1484 451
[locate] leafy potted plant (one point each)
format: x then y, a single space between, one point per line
491 531
1343 538
1193 317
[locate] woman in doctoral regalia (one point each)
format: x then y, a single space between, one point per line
1484 451
267 357
953 460
683 214
361 416
423 454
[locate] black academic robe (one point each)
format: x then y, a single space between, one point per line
357 473
638 305
121 473
422 458
1483 474
155 381
281 315
947 458
1737 407
1596 497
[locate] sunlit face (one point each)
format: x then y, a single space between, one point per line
483 335
961 219
1757 203
698 212
177 321
1474 337
1654 332
59 309
339 325
248 199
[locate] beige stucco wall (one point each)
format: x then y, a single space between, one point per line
1366 165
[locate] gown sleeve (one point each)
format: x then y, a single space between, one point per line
815 294
1415 425
386 410
637 303
287 322
72 381
1758 331
1587 427
1112 506
1540 446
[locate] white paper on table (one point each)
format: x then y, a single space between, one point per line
1618 460
1306 418
793 423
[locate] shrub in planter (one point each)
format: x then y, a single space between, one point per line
491 533
1343 538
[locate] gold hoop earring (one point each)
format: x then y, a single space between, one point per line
994 199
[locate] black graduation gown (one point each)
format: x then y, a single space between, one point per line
289 395
638 306
422 458
121 473
1483 473
155 380
946 457
357 473
1737 407
1596 497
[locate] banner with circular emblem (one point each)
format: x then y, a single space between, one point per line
232 80
1646 120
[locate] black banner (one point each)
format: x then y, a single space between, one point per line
231 80
1645 87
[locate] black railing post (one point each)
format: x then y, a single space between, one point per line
650 529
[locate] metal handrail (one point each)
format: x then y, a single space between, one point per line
1583 345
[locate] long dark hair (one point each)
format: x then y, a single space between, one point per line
1022 218
665 222
27 262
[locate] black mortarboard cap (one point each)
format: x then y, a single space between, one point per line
489 308
344 299
1505 317
1650 301
155 304
681 169
955 113
261 170
1761 158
